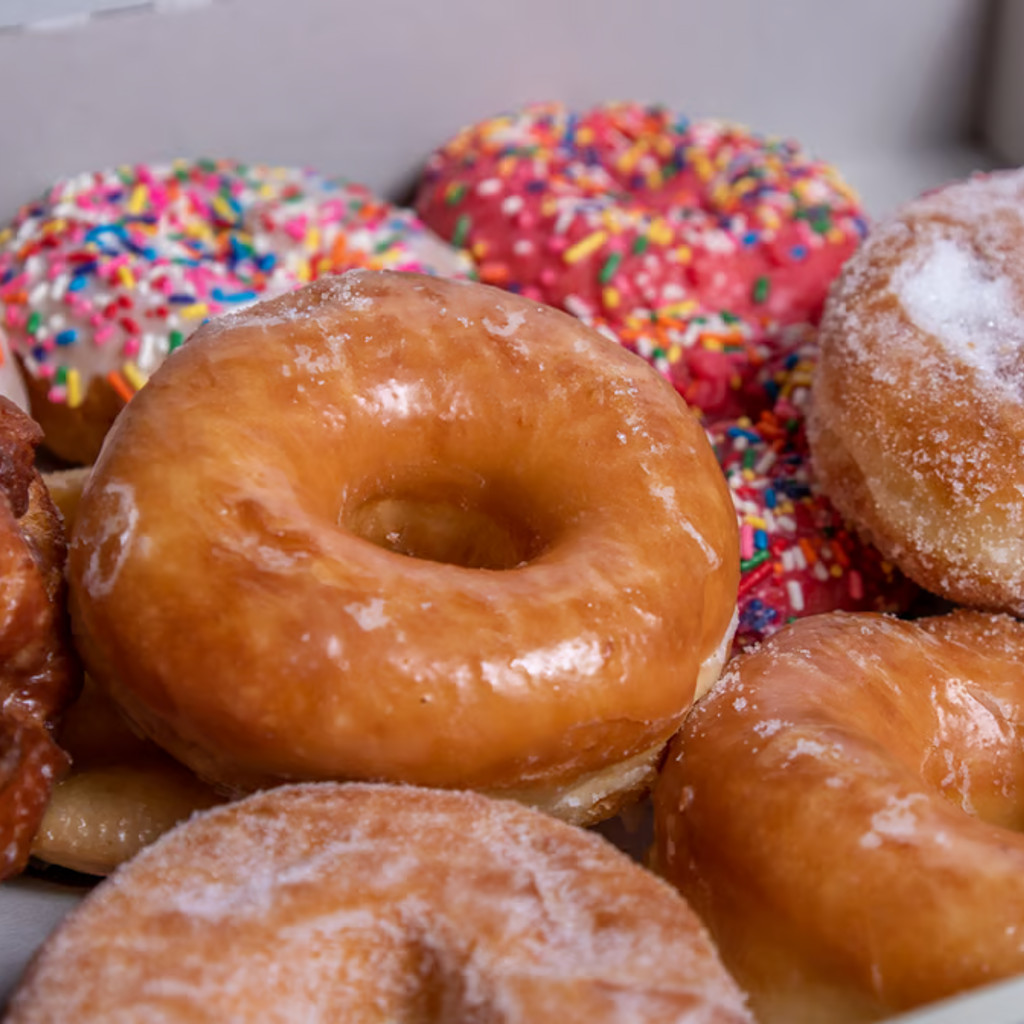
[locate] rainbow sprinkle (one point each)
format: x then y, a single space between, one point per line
694 243
109 272
797 557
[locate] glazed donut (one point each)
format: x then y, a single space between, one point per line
38 675
331 902
11 385
797 557
121 793
572 580
917 424
108 272
843 811
693 242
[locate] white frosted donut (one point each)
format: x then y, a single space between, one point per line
108 272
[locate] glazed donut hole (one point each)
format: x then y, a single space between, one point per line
475 528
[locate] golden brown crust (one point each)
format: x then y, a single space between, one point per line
38 675
843 811
917 411
362 903
248 608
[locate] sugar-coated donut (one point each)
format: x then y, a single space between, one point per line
38 674
917 419
370 903
693 241
241 579
108 272
843 811
797 556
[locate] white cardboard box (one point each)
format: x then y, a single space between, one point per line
898 93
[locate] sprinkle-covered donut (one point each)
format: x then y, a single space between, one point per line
693 241
108 272
797 556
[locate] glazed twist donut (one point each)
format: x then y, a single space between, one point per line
38 675
843 812
917 421
360 903
694 242
108 272
572 580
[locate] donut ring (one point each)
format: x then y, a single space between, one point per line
573 579
693 242
849 787
917 419
376 902
38 674
108 272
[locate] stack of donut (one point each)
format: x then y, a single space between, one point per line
859 770
520 577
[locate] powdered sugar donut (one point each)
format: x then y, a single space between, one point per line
108 272
694 242
379 903
917 424
797 555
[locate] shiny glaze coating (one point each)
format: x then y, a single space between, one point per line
916 422
38 674
240 569
844 812
377 903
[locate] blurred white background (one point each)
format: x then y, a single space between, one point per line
892 92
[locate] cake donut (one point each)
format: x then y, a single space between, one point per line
843 812
694 242
38 674
797 556
441 535
916 423
108 272
352 902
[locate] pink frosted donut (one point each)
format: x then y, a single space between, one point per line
694 242
108 272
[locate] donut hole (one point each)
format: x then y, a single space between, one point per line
453 528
